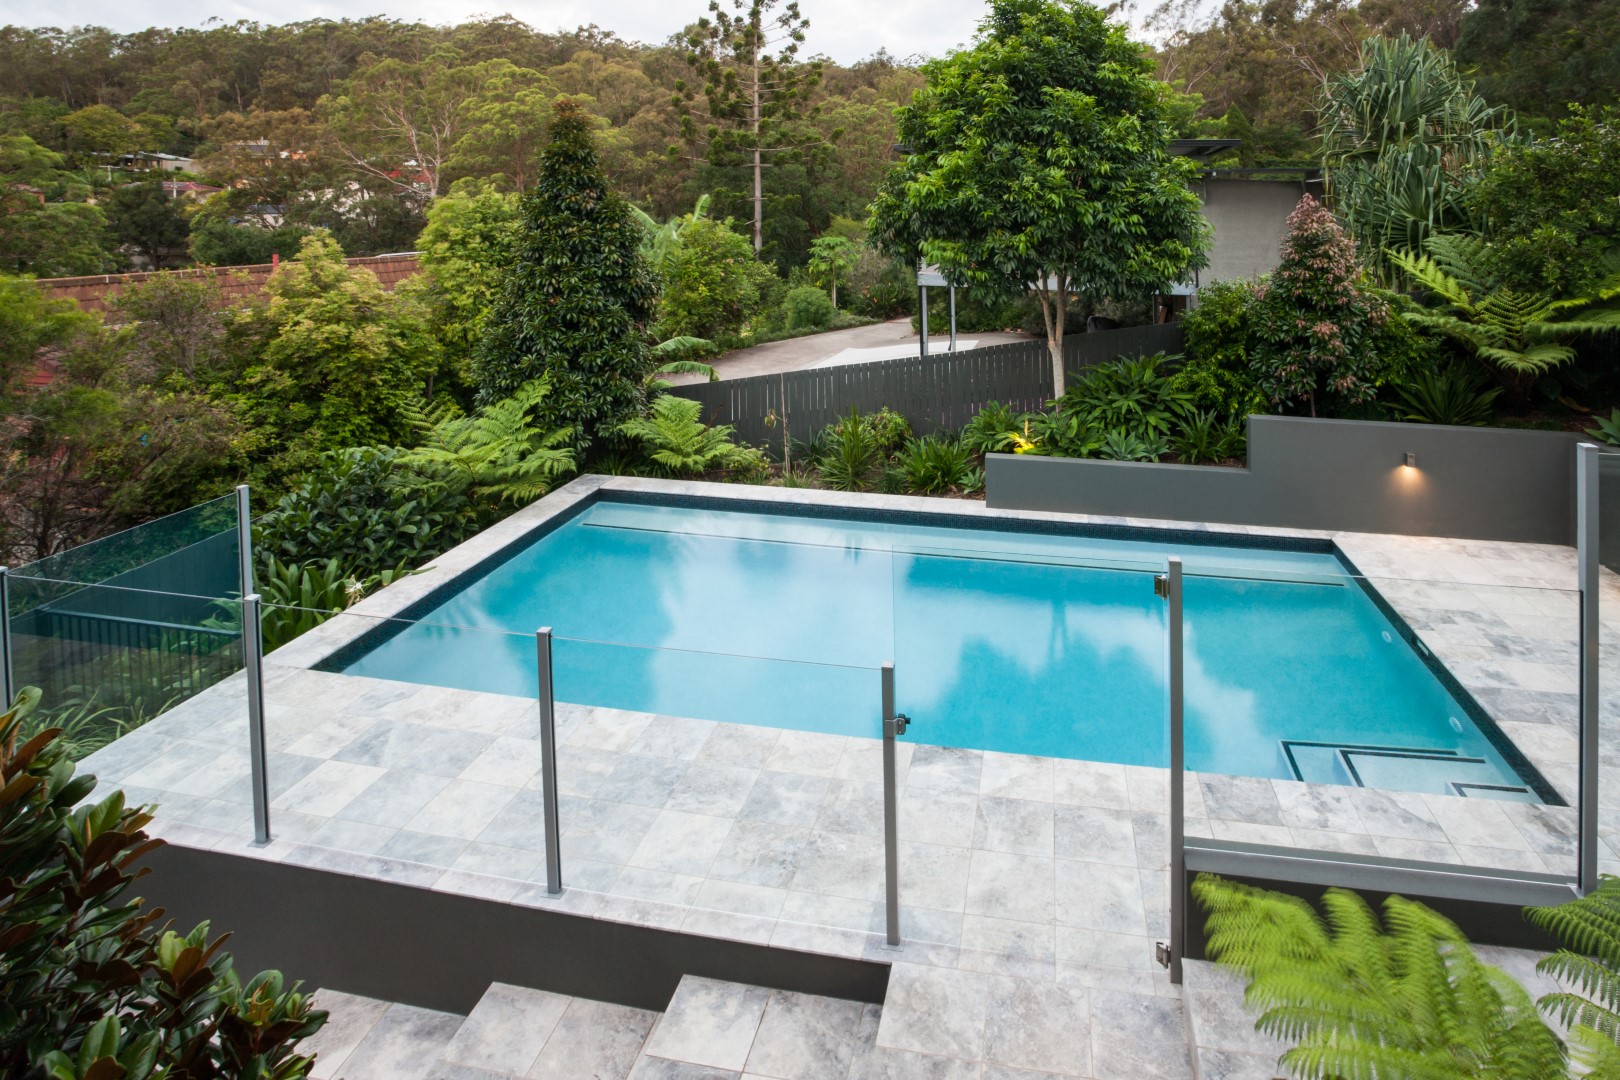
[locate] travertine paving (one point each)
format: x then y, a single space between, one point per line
1032 888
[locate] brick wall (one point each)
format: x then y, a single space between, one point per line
236 283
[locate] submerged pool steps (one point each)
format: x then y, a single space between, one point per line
1405 768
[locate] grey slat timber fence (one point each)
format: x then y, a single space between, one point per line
941 392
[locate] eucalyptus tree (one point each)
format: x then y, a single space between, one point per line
755 91
1039 160
1403 136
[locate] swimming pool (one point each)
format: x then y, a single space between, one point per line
1021 641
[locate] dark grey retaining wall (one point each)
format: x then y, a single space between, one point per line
940 392
1471 483
440 950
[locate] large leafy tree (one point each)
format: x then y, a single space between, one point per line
1404 135
144 217
1552 206
755 91
577 297
1040 160
1539 56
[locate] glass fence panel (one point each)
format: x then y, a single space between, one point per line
192 553
108 659
1386 715
408 765
1034 807
1608 619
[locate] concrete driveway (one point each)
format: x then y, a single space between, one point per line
894 337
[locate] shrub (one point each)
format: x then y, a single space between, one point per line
994 429
1216 371
889 429
851 455
1450 395
807 306
1206 438
502 454
713 284
937 464
879 287
362 508
95 985
1131 394
1124 445
1317 324
300 596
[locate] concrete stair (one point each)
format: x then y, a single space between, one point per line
712 1030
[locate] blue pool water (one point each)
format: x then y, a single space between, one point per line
1026 643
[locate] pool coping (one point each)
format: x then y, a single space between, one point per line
339 641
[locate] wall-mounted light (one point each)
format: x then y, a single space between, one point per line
1410 460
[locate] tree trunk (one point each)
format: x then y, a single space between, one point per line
1054 312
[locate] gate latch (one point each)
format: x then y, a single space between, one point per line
1161 586
897 725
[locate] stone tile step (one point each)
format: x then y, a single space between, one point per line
513 1033
716 1030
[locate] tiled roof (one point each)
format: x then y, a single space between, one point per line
236 283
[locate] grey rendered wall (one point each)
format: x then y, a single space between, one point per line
1470 483
1249 218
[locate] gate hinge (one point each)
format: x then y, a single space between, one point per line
1161 586
897 725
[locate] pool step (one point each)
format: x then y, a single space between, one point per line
1404 768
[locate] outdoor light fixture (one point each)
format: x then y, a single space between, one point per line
1410 460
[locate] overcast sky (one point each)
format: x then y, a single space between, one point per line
846 30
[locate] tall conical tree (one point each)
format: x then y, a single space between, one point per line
576 301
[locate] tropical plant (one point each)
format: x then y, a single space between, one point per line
577 300
501 453
890 429
1217 370
298 597
807 307
1064 433
661 242
368 510
1123 445
852 454
674 437
1205 437
1135 394
937 464
1522 335
1360 997
96 987
994 429
1404 135
1039 161
1608 428
1450 395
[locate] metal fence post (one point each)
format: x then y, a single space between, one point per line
922 291
1178 772
894 725
548 762
253 664
1586 546
7 678
244 539
953 318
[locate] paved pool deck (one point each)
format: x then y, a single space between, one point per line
1032 889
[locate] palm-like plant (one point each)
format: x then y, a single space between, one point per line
1401 135
663 240
1359 998
674 438
499 452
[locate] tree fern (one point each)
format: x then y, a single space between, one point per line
674 438
1589 963
499 451
1361 999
